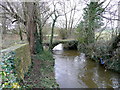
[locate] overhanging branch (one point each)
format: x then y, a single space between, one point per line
13 14
109 18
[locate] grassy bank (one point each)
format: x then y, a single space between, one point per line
41 74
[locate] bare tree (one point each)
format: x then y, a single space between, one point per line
116 41
119 16
54 18
4 20
31 27
32 20
44 14
69 10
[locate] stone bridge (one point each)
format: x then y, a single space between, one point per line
67 44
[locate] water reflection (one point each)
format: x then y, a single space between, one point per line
72 70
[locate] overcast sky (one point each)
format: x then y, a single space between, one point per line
112 7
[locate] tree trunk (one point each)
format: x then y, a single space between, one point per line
52 33
40 36
20 33
31 28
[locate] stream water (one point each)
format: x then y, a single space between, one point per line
72 70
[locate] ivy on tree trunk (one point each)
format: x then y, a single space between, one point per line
34 39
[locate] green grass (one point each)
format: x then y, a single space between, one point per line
104 35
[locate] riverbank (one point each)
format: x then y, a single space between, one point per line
101 53
41 75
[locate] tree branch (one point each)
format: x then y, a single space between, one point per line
13 14
104 7
101 31
10 7
109 18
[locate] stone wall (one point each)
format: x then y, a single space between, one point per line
22 58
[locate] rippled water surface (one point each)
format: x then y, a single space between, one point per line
72 70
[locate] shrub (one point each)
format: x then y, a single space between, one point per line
63 33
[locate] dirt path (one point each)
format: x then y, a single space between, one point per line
41 74
33 79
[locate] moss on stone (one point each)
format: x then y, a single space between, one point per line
22 61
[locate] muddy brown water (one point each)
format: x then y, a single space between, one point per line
72 70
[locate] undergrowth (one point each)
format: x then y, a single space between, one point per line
47 70
111 62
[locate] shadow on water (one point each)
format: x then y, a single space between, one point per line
72 70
